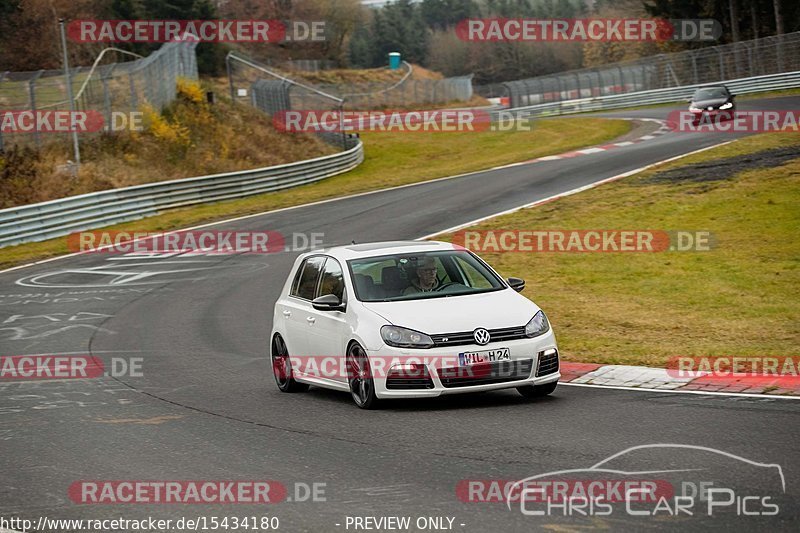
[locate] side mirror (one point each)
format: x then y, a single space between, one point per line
688 100
516 283
328 302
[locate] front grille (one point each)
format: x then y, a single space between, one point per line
408 384
548 364
466 337
399 380
485 373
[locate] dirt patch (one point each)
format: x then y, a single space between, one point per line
722 169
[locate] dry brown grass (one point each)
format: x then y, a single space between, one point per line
190 138
363 76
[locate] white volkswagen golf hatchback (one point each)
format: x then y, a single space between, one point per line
408 320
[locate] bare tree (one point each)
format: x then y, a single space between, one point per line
734 20
778 17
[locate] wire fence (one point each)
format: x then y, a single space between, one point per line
268 89
254 83
107 89
758 57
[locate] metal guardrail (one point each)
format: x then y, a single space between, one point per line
771 82
56 218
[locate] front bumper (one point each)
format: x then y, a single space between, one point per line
443 375
724 114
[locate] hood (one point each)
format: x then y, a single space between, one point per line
499 309
713 102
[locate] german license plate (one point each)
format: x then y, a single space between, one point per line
485 356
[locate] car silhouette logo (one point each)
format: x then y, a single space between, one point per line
482 336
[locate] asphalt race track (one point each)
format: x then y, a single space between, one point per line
206 407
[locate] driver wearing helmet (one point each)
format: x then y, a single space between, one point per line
426 279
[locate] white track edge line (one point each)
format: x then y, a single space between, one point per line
570 192
678 391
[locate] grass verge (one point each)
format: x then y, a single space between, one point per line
740 298
391 159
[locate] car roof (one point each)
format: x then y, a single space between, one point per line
711 87
373 249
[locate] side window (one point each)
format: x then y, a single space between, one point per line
441 272
305 284
332 279
473 277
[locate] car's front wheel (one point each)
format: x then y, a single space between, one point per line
282 367
537 391
362 384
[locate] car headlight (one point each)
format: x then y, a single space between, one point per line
405 338
537 326
726 105
694 109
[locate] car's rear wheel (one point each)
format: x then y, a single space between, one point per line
362 384
282 367
537 391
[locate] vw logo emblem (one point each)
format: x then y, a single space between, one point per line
481 336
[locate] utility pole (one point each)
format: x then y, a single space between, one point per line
75 146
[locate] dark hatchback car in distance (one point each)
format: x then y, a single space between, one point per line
715 102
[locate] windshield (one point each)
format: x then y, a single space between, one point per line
421 275
710 93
